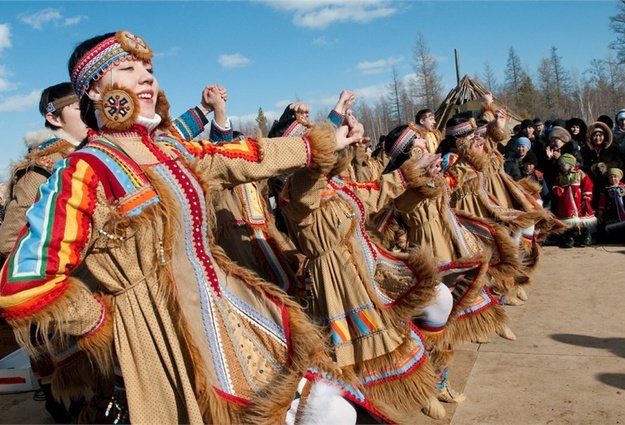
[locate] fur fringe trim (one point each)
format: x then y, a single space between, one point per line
508 263
400 399
74 380
414 177
323 145
99 346
441 358
478 326
530 186
414 295
496 134
308 347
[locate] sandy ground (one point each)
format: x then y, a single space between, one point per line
567 366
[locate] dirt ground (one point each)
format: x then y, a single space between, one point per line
567 366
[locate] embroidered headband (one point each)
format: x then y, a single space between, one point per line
61 103
109 52
402 142
461 129
296 129
481 130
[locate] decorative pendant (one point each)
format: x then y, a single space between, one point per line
118 107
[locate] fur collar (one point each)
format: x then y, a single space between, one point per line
33 139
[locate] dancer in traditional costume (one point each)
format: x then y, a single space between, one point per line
363 296
463 259
467 178
128 215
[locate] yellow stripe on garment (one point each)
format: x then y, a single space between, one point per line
28 294
72 219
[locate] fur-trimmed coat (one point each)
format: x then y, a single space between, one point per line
130 214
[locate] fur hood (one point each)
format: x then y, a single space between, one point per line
32 139
607 141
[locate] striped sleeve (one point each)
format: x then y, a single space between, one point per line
190 124
52 244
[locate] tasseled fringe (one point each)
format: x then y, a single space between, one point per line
477 326
99 345
51 323
435 340
529 186
74 380
402 398
323 144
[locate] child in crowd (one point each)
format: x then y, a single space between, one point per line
610 208
573 192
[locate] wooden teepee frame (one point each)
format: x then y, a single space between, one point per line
468 95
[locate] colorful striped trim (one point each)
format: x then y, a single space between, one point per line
190 124
354 325
408 364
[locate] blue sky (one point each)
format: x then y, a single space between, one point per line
268 53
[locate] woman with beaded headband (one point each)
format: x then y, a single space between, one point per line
463 259
130 214
464 172
510 194
363 296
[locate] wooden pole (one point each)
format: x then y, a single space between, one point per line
457 67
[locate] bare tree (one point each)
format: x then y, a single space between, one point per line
395 88
617 25
428 84
490 81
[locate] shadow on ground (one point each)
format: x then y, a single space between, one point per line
616 380
614 345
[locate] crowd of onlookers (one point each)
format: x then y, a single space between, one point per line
579 168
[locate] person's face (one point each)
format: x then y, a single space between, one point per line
476 142
71 123
575 129
522 150
566 168
613 179
558 142
597 138
539 128
428 121
402 241
528 168
528 132
135 76
479 138
621 123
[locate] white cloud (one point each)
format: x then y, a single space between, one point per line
20 102
319 14
236 60
378 67
74 20
5 37
172 51
39 19
5 84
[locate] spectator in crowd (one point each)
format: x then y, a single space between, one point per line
512 166
600 154
618 132
606 120
577 128
573 190
611 208
559 144
529 171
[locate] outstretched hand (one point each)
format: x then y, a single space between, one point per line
344 138
345 102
